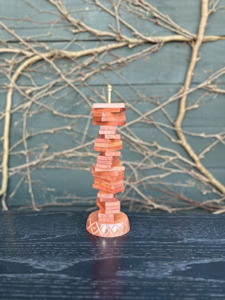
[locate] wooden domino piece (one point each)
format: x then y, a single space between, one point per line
103 132
113 136
107 172
107 141
110 179
103 166
105 195
108 145
112 119
101 110
109 207
112 153
107 105
108 190
104 149
114 123
113 160
101 206
105 218
102 199
108 128
111 185
118 168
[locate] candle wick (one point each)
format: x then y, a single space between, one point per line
109 93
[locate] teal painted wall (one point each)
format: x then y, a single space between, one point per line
144 82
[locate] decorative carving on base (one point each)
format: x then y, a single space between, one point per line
119 227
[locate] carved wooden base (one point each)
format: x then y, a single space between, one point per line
119 227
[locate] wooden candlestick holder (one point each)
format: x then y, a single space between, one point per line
108 174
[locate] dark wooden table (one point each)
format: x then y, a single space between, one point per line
49 255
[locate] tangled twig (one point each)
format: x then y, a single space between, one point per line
159 163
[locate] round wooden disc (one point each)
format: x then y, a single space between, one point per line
119 227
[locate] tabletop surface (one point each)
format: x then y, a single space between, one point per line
49 255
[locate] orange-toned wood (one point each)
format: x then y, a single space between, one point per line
116 123
112 136
113 116
108 145
112 170
103 132
108 187
109 105
106 141
109 179
108 127
109 115
103 166
112 153
113 185
118 227
108 174
102 199
102 173
108 190
108 119
109 207
105 218
103 157
113 160
105 195
102 150
115 204
106 109
101 206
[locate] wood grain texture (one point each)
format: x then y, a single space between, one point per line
49 255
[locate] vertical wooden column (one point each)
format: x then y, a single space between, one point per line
108 173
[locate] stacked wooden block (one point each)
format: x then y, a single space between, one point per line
108 173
